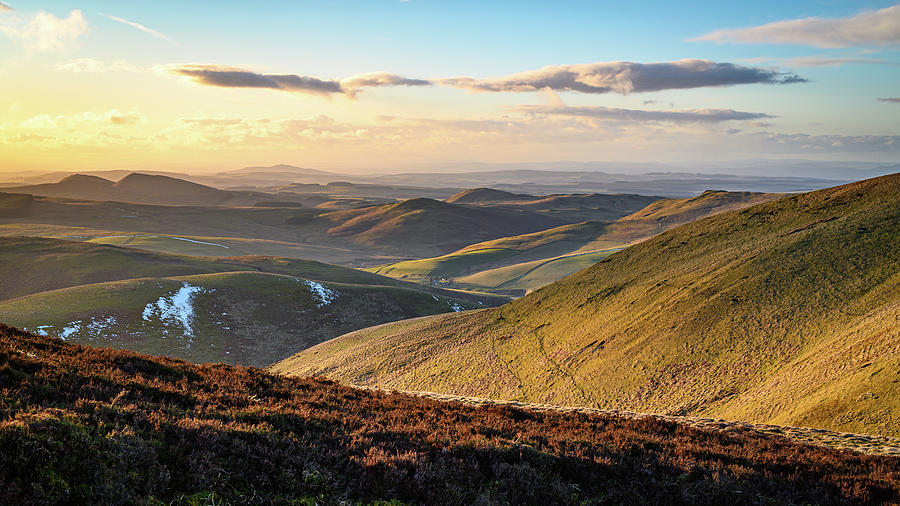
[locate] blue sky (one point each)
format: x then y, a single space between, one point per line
131 73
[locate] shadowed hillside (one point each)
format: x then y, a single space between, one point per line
88 426
785 312
13 205
249 310
245 318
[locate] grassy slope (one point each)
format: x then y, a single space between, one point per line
86 426
501 263
784 312
238 317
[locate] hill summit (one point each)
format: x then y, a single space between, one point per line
479 195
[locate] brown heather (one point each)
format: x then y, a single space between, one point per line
82 425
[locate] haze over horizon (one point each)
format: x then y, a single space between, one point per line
366 86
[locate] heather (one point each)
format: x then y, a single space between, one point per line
85 425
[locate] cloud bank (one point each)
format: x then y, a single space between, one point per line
595 78
234 77
678 116
895 100
46 32
868 28
627 77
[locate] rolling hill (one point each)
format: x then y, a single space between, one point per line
262 304
90 426
529 261
426 226
33 264
785 312
249 318
366 236
139 188
488 195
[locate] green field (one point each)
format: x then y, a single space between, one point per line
532 275
785 312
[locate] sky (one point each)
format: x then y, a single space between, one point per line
374 85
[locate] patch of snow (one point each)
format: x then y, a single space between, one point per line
70 329
324 295
177 308
455 307
99 324
40 330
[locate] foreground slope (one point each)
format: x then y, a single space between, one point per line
529 261
784 312
81 425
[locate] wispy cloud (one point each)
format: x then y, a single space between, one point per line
627 77
868 28
234 77
92 66
112 117
46 32
637 115
824 61
140 27
5 7
895 100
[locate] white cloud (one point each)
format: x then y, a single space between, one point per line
5 7
139 26
868 28
46 32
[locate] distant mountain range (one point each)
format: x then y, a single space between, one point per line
672 180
